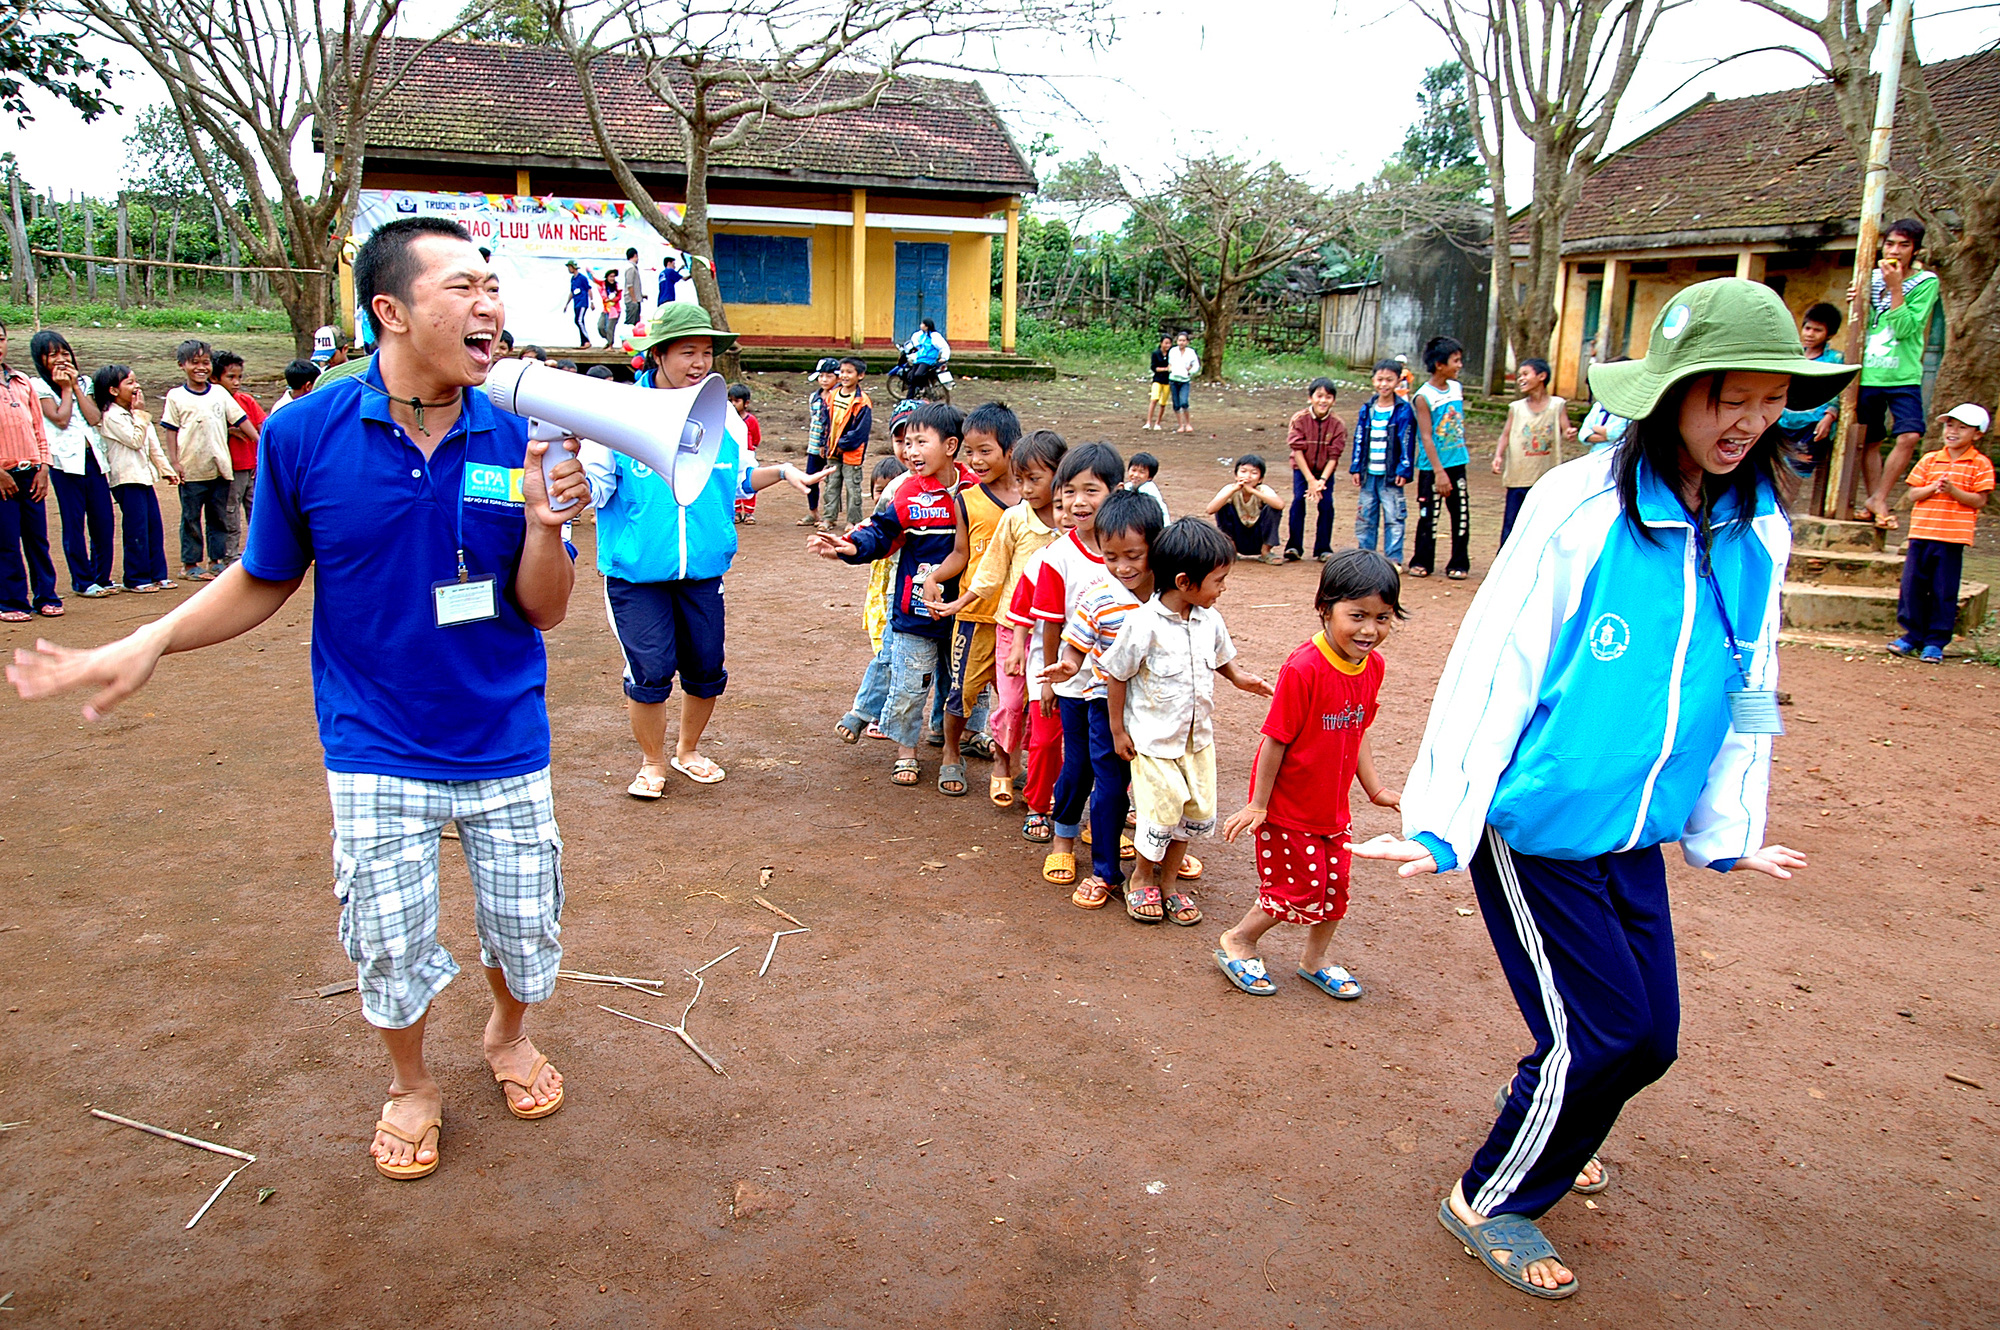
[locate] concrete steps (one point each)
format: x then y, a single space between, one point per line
1841 579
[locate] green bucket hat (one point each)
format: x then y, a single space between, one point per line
1712 327
677 320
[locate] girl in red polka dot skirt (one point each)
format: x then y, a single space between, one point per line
1315 746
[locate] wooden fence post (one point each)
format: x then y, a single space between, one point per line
124 245
90 248
24 262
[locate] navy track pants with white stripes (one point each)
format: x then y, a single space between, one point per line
1588 947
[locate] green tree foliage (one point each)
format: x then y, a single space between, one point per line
159 161
33 56
519 22
1439 150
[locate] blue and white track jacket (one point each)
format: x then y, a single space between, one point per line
1583 710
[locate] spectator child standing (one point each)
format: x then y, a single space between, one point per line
818 416
76 464
1247 511
1315 746
1385 460
24 488
1316 439
1160 699
1947 490
134 463
200 419
1139 477
991 431
581 298
611 298
1126 527
1182 365
1809 433
242 451
850 419
1161 398
739 402
1532 439
1902 295
301 375
1439 403
922 515
1086 479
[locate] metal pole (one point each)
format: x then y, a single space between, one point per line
1874 193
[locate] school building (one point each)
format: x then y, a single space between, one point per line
1766 188
843 230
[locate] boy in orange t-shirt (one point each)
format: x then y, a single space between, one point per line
1947 488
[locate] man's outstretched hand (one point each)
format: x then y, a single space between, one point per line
117 670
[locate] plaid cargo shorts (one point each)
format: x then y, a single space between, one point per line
385 860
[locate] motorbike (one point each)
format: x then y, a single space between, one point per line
906 378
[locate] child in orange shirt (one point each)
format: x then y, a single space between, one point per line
1948 488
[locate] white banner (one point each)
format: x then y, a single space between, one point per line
531 239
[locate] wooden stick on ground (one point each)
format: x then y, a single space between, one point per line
673 1030
788 918
174 1136
785 932
212 1196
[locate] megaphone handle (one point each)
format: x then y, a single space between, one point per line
556 455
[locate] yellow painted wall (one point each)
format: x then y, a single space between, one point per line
1568 357
830 316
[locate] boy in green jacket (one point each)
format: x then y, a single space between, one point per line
1902 294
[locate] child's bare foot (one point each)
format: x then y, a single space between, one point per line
409 1110
1547 1273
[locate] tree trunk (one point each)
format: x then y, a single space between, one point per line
1217 315
152 252
701 242
1969 285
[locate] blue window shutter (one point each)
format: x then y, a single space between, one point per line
764 270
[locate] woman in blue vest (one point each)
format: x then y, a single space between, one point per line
1613 688
663 562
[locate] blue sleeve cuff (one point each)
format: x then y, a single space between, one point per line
1723 865
1446 860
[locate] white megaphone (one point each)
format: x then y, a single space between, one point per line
676 431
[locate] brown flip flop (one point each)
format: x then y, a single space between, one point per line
534 1074
411 1171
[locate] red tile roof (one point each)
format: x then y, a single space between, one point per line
506 105
1777 160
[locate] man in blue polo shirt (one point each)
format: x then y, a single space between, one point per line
438 564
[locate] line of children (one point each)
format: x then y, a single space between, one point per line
921 522
827 375
201 422
991 431
1159 676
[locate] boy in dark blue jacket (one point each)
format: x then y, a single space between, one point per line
923 517
1385 460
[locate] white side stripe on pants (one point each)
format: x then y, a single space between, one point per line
1546 1104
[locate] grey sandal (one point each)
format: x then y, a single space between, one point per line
1518 1237
949 772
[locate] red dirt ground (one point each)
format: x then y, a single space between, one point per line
959 1099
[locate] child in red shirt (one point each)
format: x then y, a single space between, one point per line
739 402
1315 745
242 452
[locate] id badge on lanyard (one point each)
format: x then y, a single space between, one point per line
1752 711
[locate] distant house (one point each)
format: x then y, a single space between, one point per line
1759 187
845 229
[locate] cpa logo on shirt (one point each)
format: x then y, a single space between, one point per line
486 483
1609 636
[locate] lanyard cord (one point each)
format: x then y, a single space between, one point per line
1705 569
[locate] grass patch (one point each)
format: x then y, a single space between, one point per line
1105 352
180 318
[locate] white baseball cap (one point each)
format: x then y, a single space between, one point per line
1969 413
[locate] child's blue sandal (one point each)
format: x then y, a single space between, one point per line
1933 655
1518 1237
1903 646
1334 981
1246 975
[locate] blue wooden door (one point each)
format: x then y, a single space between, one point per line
922 271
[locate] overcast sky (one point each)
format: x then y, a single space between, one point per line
1326 90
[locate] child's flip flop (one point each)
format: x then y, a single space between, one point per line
1190 869
1246 974
1000 789
698 769
413 1170
1059 869
1091 894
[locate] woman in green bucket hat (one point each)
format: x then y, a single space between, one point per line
1612 689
